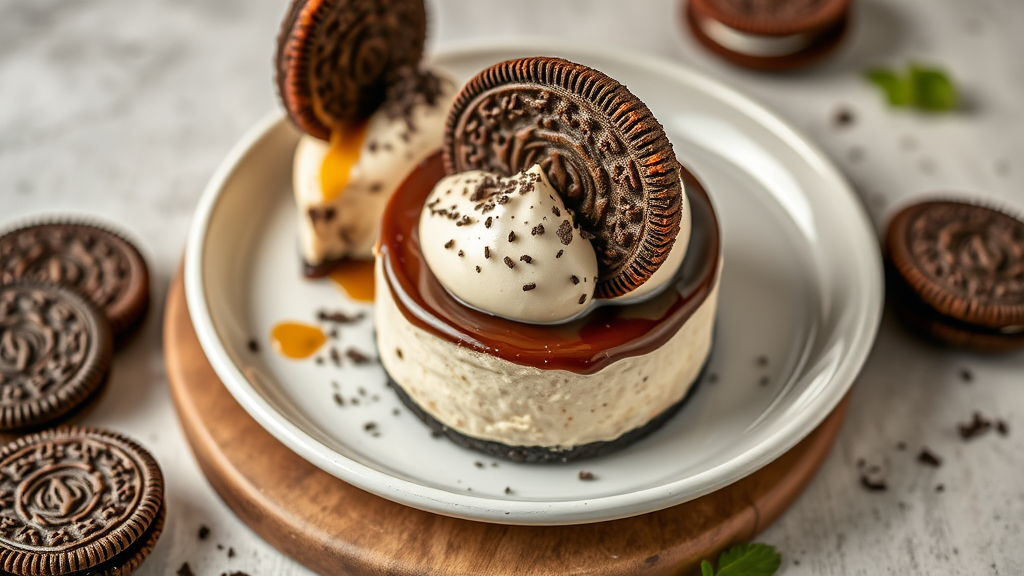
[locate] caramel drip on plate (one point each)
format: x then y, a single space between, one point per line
296 340
336 170
355 277
583 346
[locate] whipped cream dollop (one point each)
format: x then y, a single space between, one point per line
508 246
344 222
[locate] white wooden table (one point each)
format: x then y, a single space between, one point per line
123 109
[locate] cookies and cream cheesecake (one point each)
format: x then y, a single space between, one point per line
546 289
350 77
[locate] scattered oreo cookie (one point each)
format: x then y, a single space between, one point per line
771 36
336 58
55 354
98 263
955 273
84 501
599 145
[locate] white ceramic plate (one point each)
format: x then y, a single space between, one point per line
801 286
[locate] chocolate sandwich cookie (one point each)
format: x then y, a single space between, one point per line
598 144
55 353
98 263
955 272
335 58
770 35
78 501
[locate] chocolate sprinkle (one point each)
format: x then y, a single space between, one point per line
537 230
927 457
525 258
584 475
564 232
509 262
583 298
530 286
575 279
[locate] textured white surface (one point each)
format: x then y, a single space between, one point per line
123 110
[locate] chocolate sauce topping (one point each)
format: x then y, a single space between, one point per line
584 346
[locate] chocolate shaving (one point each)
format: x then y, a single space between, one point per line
509 262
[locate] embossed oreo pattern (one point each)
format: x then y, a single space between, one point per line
73 498
966 261
773 17
336 57
55 351
599 145
95 262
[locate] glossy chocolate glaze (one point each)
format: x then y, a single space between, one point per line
584 346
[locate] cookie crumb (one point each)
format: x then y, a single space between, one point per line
338 399
1002 428
370 427
509 263
487 252
844 117
508 490
478 464
357 357
231 552
477 269
559 254
929 458
530 286
762 360
448 245
940 488
901 446
575 279
873 485
584 475
254 347
967 376
764 381
976 427
204 532
339 317
185 570
537 230
712 378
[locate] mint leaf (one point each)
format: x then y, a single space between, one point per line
933 90
749 560
898 91
706 569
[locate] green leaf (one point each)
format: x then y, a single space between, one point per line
749 560
706 569
898 90
933 90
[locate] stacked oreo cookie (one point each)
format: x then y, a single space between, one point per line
80 500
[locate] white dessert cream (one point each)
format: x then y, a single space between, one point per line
507 246
341 187
753 44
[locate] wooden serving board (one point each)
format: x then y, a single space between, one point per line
334 528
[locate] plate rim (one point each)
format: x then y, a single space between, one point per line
525 512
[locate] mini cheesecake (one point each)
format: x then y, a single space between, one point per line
538 392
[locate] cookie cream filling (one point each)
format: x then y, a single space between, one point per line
753 44
508 247
341 187
486 397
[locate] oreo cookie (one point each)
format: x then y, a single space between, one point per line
55 354
771 35
955 273
80 501
98 263
335 58
599 145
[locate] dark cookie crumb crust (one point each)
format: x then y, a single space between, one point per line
542 454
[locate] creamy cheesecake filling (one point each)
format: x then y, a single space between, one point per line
342 188
487 397
753 44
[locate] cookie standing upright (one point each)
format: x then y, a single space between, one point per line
956 273
335 58
80 501
770 35
95 261
55 354
599 145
